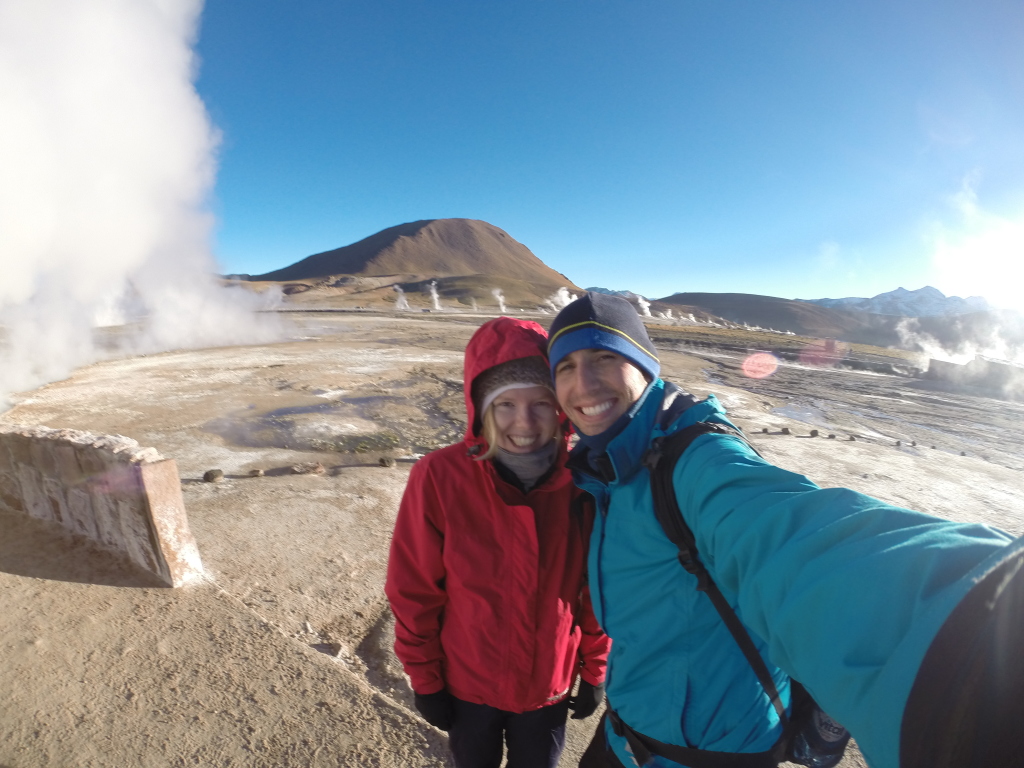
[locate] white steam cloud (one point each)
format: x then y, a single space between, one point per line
500 298
108 160
559 299
434 298
645 306
400 301
995 342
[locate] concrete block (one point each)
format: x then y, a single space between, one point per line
106 518
105 488
18 449
176 545
54 492
43 459
135 534
35 501
6 462
68 469
10 495
80 513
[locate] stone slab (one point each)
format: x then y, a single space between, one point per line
105 488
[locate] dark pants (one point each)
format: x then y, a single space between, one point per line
535 739
599 754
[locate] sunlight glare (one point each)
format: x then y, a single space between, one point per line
983 257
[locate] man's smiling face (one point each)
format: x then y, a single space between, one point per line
595 387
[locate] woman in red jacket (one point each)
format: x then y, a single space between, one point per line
486 572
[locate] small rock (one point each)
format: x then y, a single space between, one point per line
764 430
899 443
213 475
963 453
256 473
310 468
387 461
852 439
913 443
814 433
831 436
785 430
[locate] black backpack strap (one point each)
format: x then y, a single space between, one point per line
661 461
643 747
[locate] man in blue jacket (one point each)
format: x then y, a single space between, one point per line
907 629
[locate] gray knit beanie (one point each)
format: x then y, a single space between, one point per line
515 374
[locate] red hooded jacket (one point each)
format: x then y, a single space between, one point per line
487 583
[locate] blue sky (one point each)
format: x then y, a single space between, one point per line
805 149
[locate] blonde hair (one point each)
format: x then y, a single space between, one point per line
489 431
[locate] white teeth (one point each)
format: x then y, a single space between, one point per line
522 442
595 410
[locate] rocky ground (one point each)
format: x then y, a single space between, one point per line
280 655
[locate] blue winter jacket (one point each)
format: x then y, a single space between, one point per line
842 591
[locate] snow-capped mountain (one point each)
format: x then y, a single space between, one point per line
624 294
924 302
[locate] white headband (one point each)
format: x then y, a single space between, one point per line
492 396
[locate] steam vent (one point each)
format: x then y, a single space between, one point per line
106 488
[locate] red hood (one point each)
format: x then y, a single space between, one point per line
497 341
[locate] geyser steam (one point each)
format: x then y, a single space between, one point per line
108 160
434 297
500 297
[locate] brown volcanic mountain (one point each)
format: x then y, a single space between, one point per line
433 248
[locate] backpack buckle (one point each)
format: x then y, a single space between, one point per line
653 454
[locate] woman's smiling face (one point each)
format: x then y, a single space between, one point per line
525 419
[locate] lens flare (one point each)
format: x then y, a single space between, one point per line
760 365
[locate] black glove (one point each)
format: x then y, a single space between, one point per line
437 708
587 699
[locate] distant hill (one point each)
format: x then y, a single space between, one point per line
431 248
924 302
799 317
955 333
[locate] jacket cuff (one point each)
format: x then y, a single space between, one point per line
966 707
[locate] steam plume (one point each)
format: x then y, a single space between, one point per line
107 157
560 298
400 301
996 342
434 297
497 294
645 306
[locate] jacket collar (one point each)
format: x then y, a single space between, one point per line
664 408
